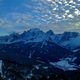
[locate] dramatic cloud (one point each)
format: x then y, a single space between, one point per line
58 15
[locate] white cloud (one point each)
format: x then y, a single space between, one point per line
71 1
49 0
67 11
70 16
77 12
42 12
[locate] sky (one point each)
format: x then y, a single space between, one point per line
56 15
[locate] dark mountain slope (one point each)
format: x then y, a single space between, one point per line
32 52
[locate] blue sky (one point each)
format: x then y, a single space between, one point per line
57 15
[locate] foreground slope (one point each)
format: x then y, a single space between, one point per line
22 52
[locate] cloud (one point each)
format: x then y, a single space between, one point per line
43 14
14 22
55 10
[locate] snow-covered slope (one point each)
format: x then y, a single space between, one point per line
70 40
72 44
67 35
66 64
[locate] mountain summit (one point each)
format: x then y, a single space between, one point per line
32 35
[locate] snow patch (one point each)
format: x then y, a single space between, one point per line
65 64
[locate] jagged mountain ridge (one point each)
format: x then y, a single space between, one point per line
36 35
32 35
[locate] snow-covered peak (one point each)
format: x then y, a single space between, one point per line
68 35
72 44
50 32
67 39
32 35
32 32
70 40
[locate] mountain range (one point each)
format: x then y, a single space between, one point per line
34 46
69 40
34 53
